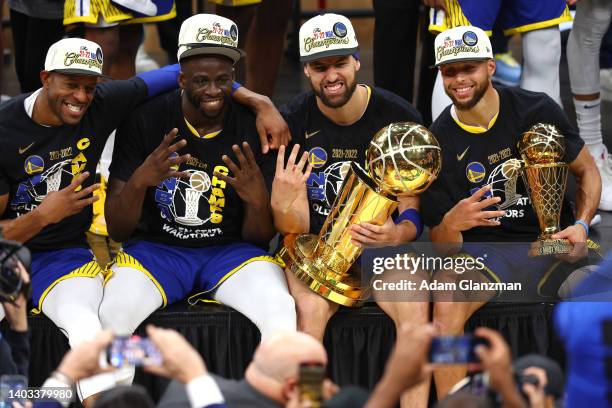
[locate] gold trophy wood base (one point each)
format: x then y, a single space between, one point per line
297 254
549 246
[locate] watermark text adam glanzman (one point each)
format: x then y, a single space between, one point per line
435 285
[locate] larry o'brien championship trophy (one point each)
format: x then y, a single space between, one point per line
403 159
545 176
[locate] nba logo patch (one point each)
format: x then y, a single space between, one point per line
475 172
317 157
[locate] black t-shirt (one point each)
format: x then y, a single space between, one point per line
37 159
473 160
200 210
333 147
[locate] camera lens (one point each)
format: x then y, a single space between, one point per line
10 277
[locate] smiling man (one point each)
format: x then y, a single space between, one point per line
52 140
478 206
191 218
334 124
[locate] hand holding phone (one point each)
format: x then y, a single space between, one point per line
311 384
179 360
455 349
133 351
13 389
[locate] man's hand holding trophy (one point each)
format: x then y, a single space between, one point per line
403 159
544 173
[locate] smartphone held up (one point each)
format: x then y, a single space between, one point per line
455 349
133 351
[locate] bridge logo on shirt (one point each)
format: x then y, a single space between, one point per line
317 157
33 190
34 165
323 187
475 172
192 202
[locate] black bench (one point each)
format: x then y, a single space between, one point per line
358 341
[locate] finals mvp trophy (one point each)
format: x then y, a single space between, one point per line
403 159
545 176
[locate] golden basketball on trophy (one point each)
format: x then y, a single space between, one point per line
403 159
545 176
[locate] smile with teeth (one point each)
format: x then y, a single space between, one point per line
212 102
74 108
334 88
463 90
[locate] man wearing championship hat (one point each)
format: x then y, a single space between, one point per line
53 139
192 206
333 126
479 197
536 21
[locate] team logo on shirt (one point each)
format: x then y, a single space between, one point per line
34 165
475 172
33 190
192 202
317 157
323 187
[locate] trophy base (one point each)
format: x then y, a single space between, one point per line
548 246
298 255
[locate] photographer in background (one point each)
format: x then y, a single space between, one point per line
548 390
14 287
496 360
270 380
408 366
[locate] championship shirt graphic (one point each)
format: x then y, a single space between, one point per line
41 180
503 181
323 186
193 201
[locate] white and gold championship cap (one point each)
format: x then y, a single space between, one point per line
463 43
75 56
327 35
210 34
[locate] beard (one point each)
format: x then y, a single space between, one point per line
479 91
342 99
195 102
